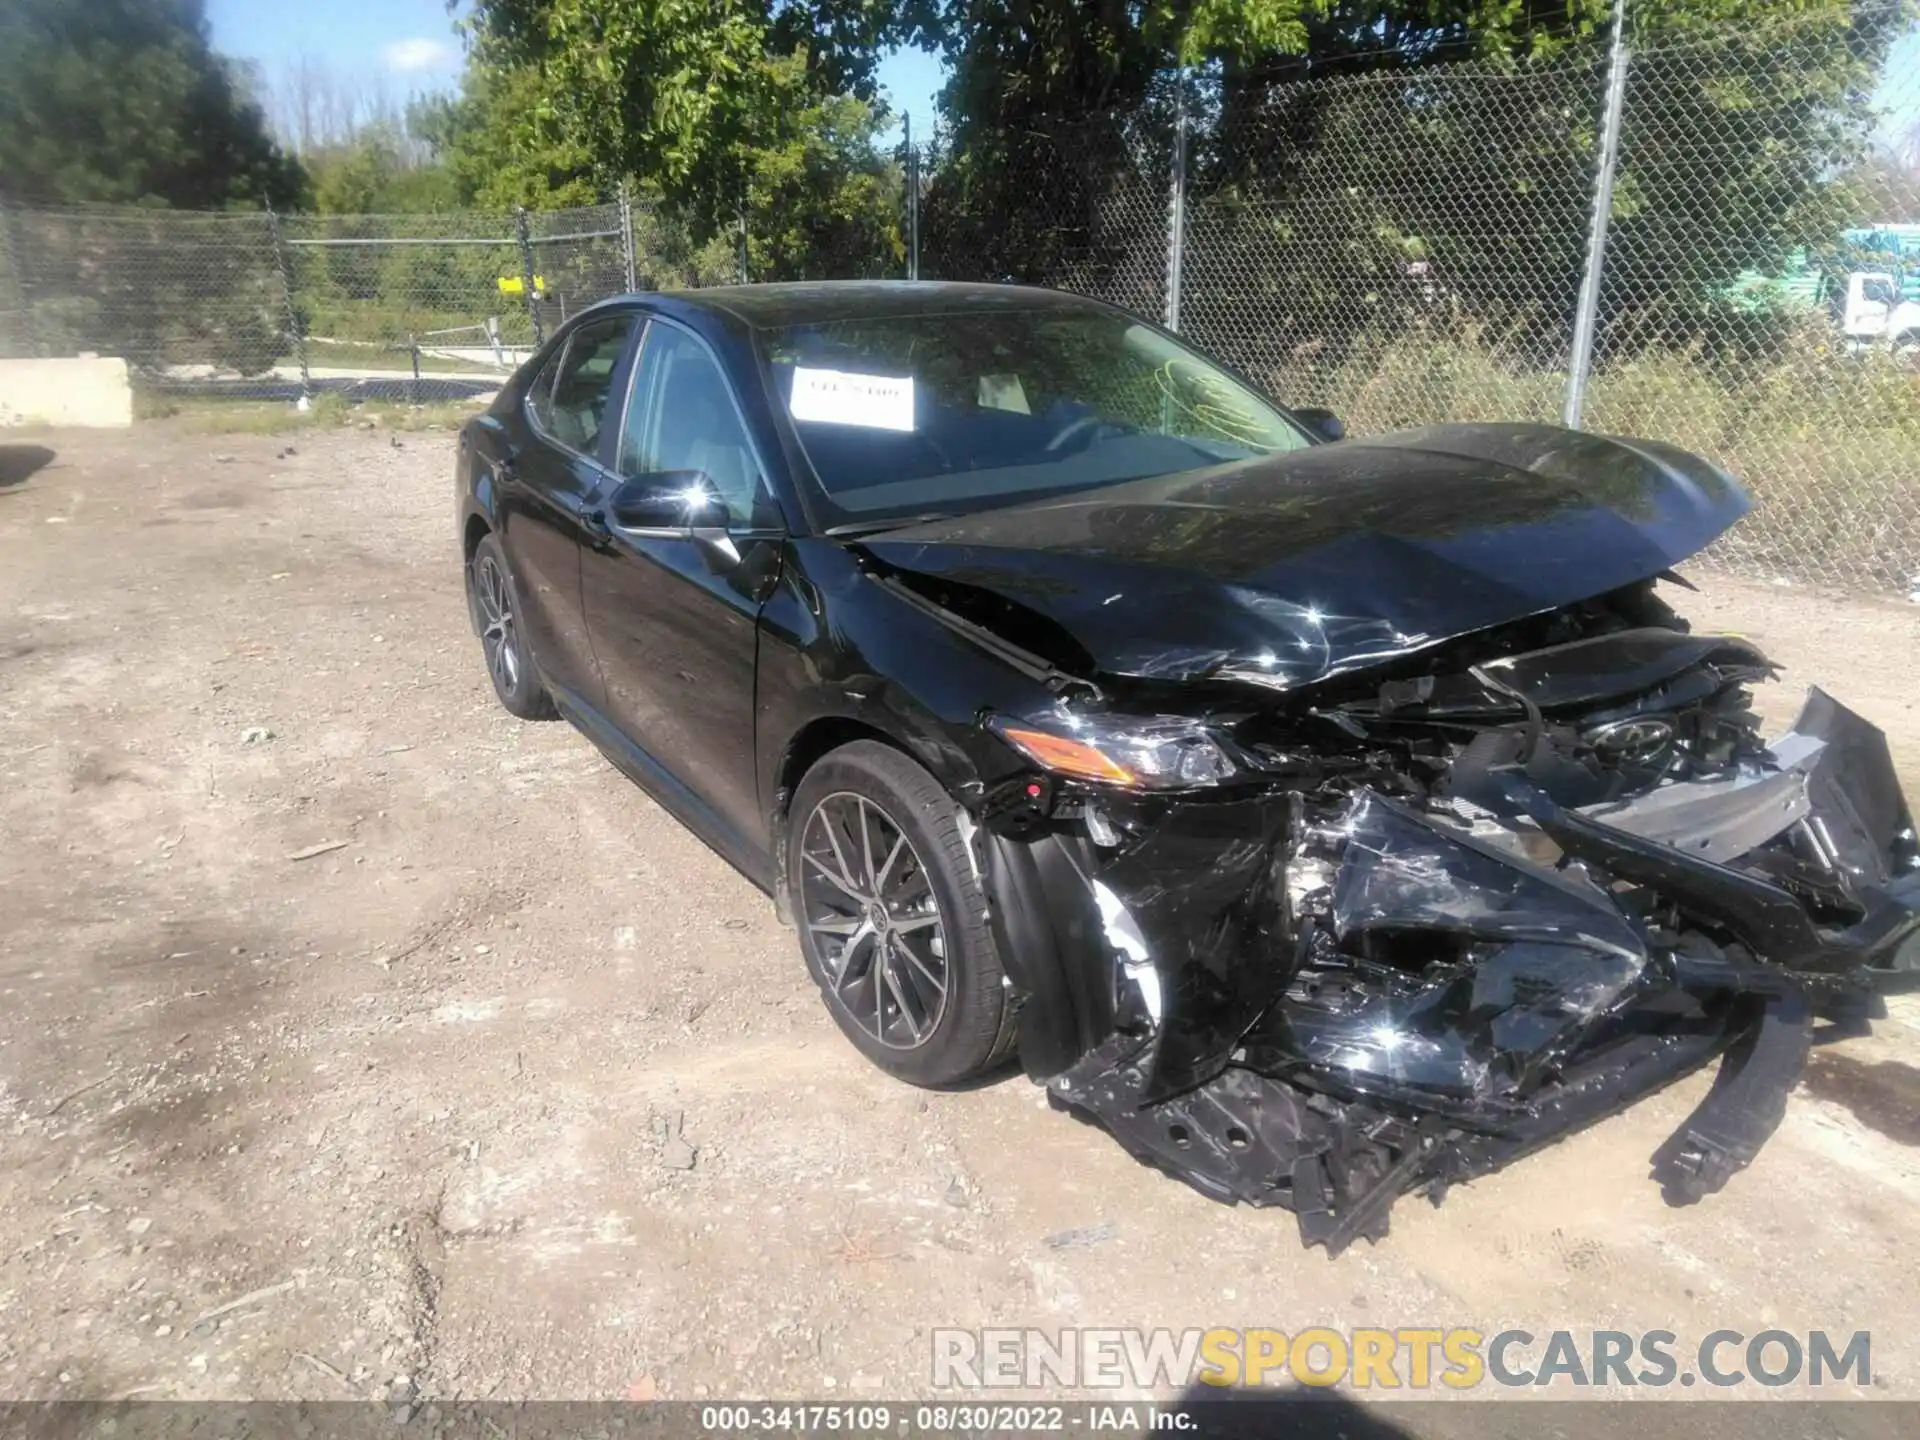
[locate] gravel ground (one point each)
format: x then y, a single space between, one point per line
516 1091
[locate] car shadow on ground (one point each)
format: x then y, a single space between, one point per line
997 1074
19 463
1217 1414
1204 1412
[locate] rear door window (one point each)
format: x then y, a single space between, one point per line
573 409
540 393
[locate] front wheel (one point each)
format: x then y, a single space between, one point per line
892 920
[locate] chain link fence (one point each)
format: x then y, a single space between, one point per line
1703 234
1405 248
281 307
1079 206
1759 300
1708 235
455 295
161 288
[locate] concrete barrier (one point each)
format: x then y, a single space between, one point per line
90 391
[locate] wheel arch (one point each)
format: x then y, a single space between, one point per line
473 530
817 739
824 733
807 747
477 529
481 443
478 509
1040 916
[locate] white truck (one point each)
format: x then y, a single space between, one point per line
1878 312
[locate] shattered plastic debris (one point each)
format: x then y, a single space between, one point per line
1476 918
1542 956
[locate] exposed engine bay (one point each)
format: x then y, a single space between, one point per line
1321 946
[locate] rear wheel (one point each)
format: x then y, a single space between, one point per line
496 608
892 921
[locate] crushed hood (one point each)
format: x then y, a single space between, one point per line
1287 569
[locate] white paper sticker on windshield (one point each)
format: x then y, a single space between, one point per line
841 397
1004 392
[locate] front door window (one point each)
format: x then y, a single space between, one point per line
681 417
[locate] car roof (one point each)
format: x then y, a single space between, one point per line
811 302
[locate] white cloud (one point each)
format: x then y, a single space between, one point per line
406 57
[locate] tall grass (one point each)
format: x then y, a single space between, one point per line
1826 440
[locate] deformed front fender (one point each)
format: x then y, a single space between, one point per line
1194 895
1047 931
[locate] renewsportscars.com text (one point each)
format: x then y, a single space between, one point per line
1413 1358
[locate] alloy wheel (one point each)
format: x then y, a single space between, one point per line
869 908
496 623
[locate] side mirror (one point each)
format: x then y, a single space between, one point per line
669 500
675 505
1324 423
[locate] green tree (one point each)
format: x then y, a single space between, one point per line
1058 132
1359 167
372 174
716 107
1747 133
125 100
502 144
820 200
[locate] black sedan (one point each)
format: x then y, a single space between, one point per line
1329 819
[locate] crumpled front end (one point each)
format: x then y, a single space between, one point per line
1467 917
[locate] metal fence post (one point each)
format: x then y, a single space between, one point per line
741 258
1586 318
294 327
13 254
626 236
913 200
523 237
1177 201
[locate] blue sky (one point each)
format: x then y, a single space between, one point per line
411 45
1899 94
910 80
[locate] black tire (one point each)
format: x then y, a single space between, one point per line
494 598
971 1030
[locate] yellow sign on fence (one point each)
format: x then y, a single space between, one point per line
515 285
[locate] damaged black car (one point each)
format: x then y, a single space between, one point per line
1329 819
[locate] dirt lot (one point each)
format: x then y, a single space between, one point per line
421 1103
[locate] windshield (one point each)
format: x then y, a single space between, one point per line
939 414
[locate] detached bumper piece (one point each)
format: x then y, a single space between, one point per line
1402 996
1339 1165
1247 1138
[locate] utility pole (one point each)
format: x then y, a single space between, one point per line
1586 318
523 236
626 235
741 258
13 257
289 313
913 201
1177 202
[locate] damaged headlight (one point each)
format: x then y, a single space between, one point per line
1145 752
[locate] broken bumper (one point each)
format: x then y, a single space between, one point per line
1326 1010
